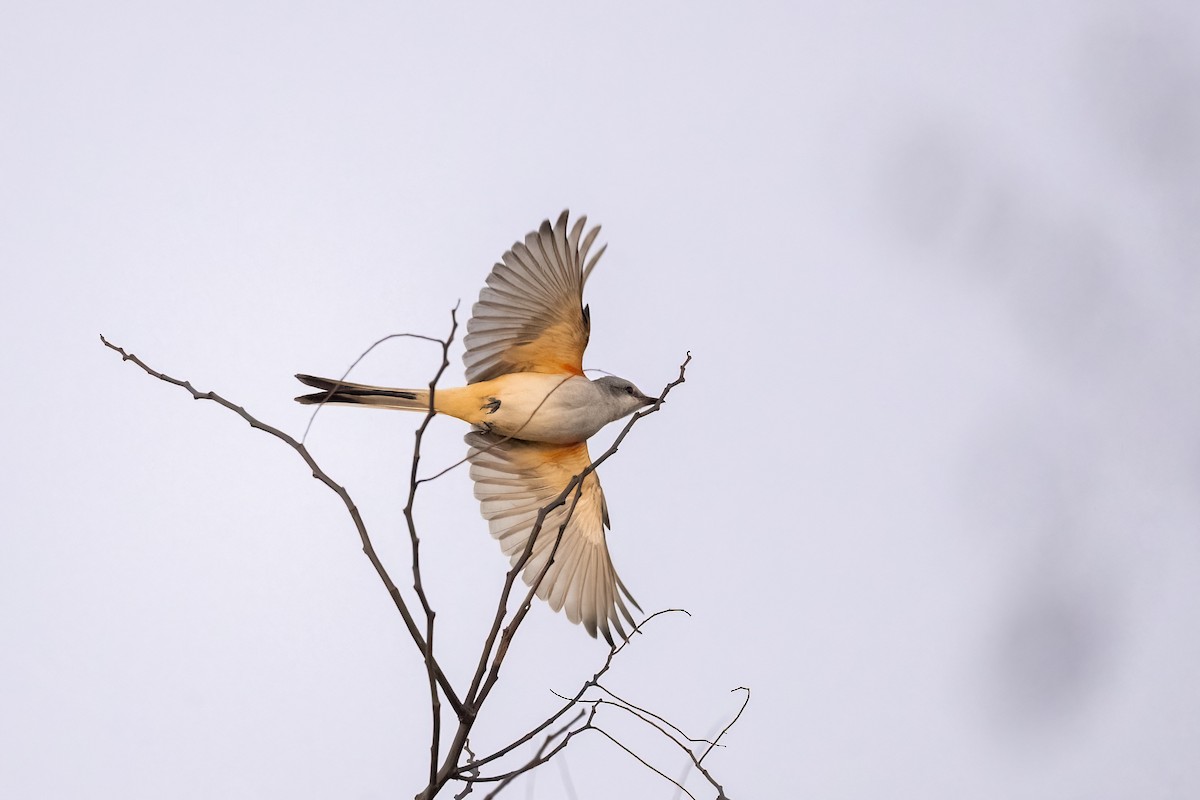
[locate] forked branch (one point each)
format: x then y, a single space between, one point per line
367 546
504 628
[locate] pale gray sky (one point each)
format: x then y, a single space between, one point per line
931 489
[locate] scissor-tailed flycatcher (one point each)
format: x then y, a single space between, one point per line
534 411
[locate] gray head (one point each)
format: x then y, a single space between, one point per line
621 396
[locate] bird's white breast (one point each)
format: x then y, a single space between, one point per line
560 409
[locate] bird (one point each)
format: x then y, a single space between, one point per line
533 410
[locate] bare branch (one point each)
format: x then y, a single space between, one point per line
340 491
538 759
604 668
500 635
648 717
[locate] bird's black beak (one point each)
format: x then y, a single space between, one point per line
649 401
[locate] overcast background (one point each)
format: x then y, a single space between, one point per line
930 490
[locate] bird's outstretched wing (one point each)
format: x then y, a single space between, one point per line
530 316
514 479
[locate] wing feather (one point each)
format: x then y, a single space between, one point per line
530 315
514 480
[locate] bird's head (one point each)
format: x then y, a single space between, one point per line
623 397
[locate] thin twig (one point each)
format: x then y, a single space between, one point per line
640 714
537 759
695 762
634 707
514 435
643 761
725 730
469 785
333 390
435 705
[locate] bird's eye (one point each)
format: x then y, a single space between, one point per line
629 390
